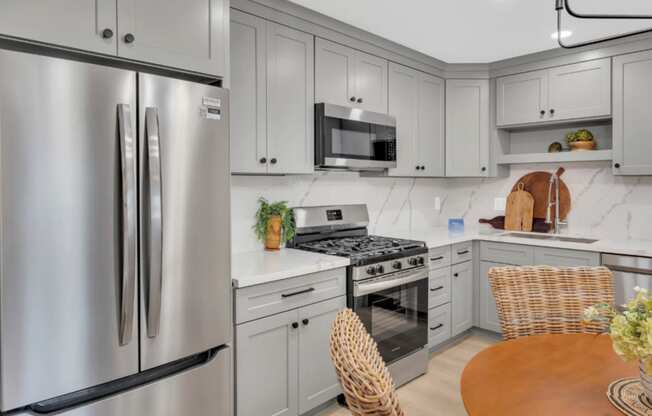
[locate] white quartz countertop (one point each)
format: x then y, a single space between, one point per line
258 267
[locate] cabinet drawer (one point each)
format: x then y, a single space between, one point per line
544 256
439 325
439 257
512 254
462 252
440 287
267 299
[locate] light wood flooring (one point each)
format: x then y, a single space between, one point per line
437 392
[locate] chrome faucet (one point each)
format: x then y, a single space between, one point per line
554 181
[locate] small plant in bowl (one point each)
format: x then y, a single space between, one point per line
274 223
580 140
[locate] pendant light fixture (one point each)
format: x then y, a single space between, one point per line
561 5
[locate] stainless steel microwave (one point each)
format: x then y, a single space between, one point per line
354 139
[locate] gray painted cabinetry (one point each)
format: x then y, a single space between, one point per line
272 97
632 130
283 365
462 297
416 100
348 77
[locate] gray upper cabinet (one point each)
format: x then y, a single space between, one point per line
272 93
348 77
632 130
569 92
190 34
78 24
522 98
467 128
430 128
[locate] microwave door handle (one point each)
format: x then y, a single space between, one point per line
154 230
128 226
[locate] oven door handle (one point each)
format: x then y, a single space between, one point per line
362 288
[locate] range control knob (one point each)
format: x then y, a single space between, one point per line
421 261
380 269
413 261
397 265
371 270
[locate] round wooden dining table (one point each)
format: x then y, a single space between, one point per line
552 375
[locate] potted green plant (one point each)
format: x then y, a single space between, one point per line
274 223
580 140
630 331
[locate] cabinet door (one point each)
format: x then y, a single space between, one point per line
462 297
334 73
71 23
248 94
467 128
371 82
580 90
290 100
522 98
439 325
403 105
317 379
439 287
632 130
189 35
557 257
488 314
430 126
267 366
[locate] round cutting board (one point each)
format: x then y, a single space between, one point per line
536 183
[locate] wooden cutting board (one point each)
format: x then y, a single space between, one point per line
536 183
519 210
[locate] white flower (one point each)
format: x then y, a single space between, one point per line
591 313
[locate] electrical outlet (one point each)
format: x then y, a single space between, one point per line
437 203
500 204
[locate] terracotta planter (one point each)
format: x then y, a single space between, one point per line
582 145
273 237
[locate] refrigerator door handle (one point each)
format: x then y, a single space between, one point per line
128 176
154 234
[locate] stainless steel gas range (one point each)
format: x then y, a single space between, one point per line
387 281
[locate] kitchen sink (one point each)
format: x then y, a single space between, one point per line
551 237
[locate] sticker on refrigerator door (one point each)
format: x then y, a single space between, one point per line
211 108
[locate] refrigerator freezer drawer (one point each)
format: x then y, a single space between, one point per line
204 390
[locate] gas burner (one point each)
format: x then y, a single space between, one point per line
361 247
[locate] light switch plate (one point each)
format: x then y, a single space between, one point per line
437 203
500 204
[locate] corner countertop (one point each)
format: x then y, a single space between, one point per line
258 267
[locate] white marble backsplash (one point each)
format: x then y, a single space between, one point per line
603 205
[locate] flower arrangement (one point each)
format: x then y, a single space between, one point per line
631 329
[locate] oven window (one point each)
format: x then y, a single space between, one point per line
359 140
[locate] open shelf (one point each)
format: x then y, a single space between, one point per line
577 156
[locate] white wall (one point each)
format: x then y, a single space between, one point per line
603 205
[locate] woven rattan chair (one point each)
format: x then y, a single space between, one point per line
366 383
548 300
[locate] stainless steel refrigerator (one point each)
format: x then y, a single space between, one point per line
114 242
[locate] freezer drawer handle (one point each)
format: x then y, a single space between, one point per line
128 172
153 232
301 292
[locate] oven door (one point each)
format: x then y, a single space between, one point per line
395 312
353 138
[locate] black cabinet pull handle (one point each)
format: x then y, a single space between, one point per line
273 161
295 325
617 165
360 100
263 160
301 292
107 33
437 288
543 112
456 275
437 258
352 99
552 111
460 253
436 327
129 38
306 321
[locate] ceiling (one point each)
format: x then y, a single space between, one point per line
479 31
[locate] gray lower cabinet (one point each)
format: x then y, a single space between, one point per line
565 258
632 100
283 365
461 297
488 316
467 128
272 93
439 325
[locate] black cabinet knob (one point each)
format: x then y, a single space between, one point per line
107 33
416 167
617 165
295 325
552 111
273 161
263 160
129 38
352 99
484 169
360 100
456 275
543 112
306 321
423 167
